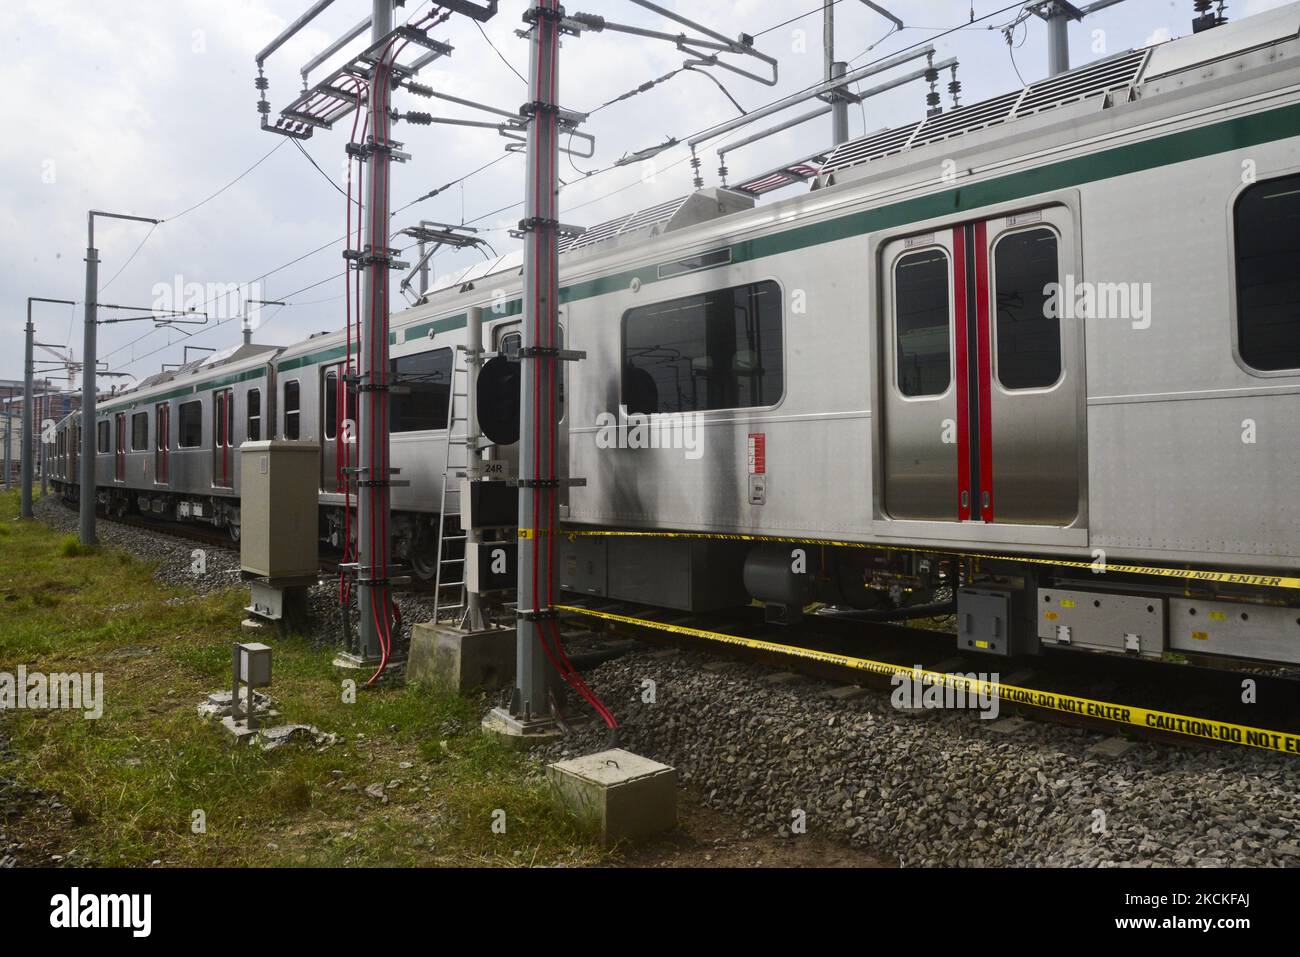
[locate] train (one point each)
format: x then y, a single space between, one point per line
1034 359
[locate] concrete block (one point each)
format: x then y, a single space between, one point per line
623 796
846 693
782 678
449 659
1112 747
1004 725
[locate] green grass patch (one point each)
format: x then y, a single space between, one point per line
137 781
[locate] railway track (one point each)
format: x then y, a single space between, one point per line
1171 702
187 531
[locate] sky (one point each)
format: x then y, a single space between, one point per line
147 107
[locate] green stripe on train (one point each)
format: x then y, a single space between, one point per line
1150 154
234 378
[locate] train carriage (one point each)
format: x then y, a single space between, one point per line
169 447
1047 344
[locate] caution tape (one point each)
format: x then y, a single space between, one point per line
1097 567
1204 729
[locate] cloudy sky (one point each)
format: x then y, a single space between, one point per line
147 107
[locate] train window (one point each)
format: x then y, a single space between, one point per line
509 345
291 413
162 442
719 350
101 436
140 432
254 417
189 421
330 425
1267 223
1025 264
922 323
223 419
427 376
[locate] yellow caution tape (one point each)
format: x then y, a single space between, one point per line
1189 574
1204 729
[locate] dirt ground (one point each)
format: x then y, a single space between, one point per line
706 837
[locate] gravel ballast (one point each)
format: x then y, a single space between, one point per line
941 788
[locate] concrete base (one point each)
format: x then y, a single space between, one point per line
217 705
519 734
239 729
446 658
347 661
622 796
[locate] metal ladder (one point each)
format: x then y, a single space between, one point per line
451 569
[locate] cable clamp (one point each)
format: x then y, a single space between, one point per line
546 484
537 106
555 14
550 352
540 614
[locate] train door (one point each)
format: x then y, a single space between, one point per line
508 339
223 431
340 443
981 418
119 447
162 443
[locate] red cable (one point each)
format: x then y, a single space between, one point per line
547 208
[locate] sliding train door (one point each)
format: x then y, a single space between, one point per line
983 374
223 431
339 448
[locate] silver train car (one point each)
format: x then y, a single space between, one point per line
169 446
1042 351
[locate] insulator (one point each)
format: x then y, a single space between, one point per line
419 89
263 107
419 119
932 99
931 75
261 83
722 173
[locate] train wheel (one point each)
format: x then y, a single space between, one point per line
424 563
233 529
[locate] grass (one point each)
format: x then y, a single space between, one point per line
132 781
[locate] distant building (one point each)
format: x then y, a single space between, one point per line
48 404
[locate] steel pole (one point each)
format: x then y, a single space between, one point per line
45 457
27 450
86 503
537 499
372 507
474 463
1058 41
839 107
9 464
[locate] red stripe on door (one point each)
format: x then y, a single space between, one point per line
963 384
985 370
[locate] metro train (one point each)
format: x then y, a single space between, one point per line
1040 352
